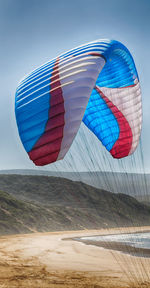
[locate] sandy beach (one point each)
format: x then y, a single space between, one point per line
51 260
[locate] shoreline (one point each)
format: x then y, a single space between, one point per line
117 245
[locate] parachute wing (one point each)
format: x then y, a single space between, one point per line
97 83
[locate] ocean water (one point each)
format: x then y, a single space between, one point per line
138 240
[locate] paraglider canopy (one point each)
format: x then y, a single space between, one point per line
96 83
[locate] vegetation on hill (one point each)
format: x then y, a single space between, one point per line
40 203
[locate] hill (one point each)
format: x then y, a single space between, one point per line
134 184
41 203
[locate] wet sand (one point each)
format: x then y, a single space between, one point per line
117 246
41 260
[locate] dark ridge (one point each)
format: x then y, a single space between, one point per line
42 203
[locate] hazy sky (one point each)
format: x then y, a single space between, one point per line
34 31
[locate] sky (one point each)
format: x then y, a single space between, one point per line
33 32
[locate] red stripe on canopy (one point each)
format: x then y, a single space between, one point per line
45 150
123 145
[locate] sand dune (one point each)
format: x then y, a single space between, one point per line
49 260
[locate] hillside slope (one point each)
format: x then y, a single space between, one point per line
40 203
134 184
